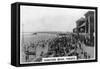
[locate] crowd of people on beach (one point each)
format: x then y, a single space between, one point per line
57 47
68 46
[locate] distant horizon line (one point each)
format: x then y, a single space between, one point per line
48 32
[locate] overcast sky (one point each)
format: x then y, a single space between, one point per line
37 19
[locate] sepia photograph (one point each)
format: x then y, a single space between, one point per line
52 34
